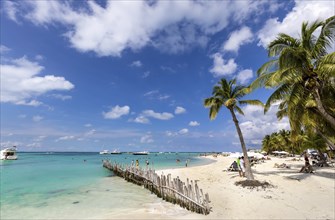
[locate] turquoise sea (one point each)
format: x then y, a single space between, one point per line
75 185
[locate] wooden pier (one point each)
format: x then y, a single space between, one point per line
187 195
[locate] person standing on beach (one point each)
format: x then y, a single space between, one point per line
186 163
242 166
238 161
132 163
137 163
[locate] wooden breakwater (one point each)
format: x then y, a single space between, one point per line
187 195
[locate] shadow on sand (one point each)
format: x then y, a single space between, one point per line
294 174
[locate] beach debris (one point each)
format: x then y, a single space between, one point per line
283 165
251 184
76 202
188 195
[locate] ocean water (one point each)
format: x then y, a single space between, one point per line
76 186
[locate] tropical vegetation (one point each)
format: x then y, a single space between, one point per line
228 94
302 74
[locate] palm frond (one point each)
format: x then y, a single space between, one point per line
251 102
278 95
239 110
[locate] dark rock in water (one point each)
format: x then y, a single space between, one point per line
76 202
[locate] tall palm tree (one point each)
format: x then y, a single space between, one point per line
228 94
302 72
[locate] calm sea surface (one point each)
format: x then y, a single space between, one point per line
75 185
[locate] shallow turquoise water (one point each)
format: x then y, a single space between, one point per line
59 185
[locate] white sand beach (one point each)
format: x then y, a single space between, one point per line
294 195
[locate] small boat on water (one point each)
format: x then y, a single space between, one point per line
104 152
8 153
116 151
141 153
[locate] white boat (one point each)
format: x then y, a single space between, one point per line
8 153
116 151
141 153
104 152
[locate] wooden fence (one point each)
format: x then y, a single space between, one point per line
187 195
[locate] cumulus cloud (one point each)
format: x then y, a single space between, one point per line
156 115
237 39
244 76
183 131
222 67
119 25
136 63
142 120
20 82
255 125
291 23
116 112
194 123
4 49
179 110
147 139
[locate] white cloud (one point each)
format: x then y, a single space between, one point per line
61 97
142 120
39 138
147 139
121 25
255 125
88 125
136 63
291 23
20 83
90 132
244 76
65 138
194 123
37 118
4 49
146 74
237 39
222 67
183 131
155 94
156 115
170 134
179 110
116 112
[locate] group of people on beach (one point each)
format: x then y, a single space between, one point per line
240 166
137 163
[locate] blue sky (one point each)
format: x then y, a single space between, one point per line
132 75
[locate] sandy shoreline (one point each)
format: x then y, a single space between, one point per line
295 195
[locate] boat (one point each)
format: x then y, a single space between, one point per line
116 151
104 152
8 153
141 153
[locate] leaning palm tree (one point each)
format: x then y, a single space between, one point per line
228 94
302 72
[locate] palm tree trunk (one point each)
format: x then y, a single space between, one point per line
322 110
248 171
